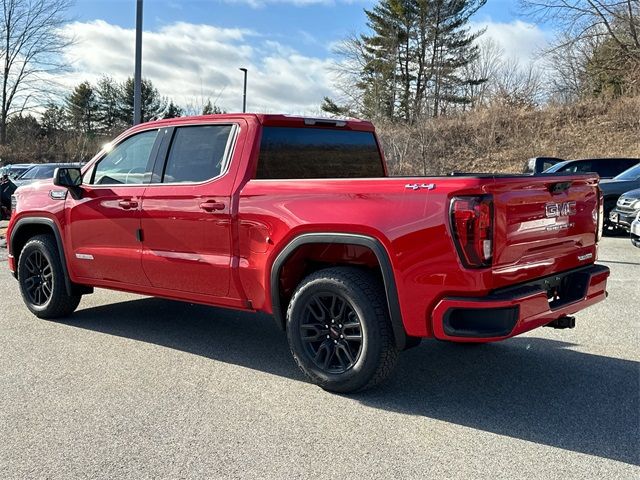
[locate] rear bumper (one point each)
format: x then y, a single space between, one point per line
514 310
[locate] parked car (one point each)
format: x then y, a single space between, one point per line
13 171
605 167
297 217
626 210
540 164
635 231
613 188
7 188
40 172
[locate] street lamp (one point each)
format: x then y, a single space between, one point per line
244 92
137 77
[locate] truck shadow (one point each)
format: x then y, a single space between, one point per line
528 388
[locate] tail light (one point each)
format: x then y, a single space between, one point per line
472 228
600 216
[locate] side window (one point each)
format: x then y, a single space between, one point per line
607 168
197 154
128 163
577 167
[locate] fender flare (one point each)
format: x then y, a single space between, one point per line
56 233
400 335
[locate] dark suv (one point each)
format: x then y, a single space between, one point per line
605 167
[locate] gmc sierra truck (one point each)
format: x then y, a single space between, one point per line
297 217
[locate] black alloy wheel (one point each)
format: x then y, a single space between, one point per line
39 280
42 279
331 332
339 330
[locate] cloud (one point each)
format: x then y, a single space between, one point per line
190 62
295 3
519 40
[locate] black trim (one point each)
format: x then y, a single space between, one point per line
343 238
480 322
51 224
161 153
571 284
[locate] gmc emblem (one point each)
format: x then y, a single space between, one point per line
563 209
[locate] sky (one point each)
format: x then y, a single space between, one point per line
193 49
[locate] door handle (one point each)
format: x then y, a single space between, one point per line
212 206
128 204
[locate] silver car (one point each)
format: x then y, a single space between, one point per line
635 231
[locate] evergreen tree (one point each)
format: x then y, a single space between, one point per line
413 59
153 105
23 128
54 119
210 109
82 108
109 105
173 111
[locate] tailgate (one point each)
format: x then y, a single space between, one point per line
544 224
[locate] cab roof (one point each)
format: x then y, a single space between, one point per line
275 120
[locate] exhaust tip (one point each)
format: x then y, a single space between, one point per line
563 322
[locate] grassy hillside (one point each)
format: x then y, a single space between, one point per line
500 138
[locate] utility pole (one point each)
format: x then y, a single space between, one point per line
137 78
244 91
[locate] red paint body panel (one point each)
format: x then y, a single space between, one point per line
226 257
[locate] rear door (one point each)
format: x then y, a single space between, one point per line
186 221
103 224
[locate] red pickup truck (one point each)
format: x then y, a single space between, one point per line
297 217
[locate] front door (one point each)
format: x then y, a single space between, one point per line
186 221
104 222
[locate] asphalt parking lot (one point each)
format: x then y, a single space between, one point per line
133 387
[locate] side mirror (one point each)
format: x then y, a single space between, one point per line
68 177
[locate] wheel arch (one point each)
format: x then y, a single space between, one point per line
371 243
28 227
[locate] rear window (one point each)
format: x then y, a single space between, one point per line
318 153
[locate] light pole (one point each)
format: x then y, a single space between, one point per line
244 91
137 77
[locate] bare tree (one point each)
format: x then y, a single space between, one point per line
486 66
517 85
608 30
31 47
580 19
567 66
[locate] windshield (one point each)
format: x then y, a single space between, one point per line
632 174
557 167
39 172
15 172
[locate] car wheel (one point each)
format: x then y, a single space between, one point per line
339 330
42 280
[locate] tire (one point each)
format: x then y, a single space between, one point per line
355 352
42 280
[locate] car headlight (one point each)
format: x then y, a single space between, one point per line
14 204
